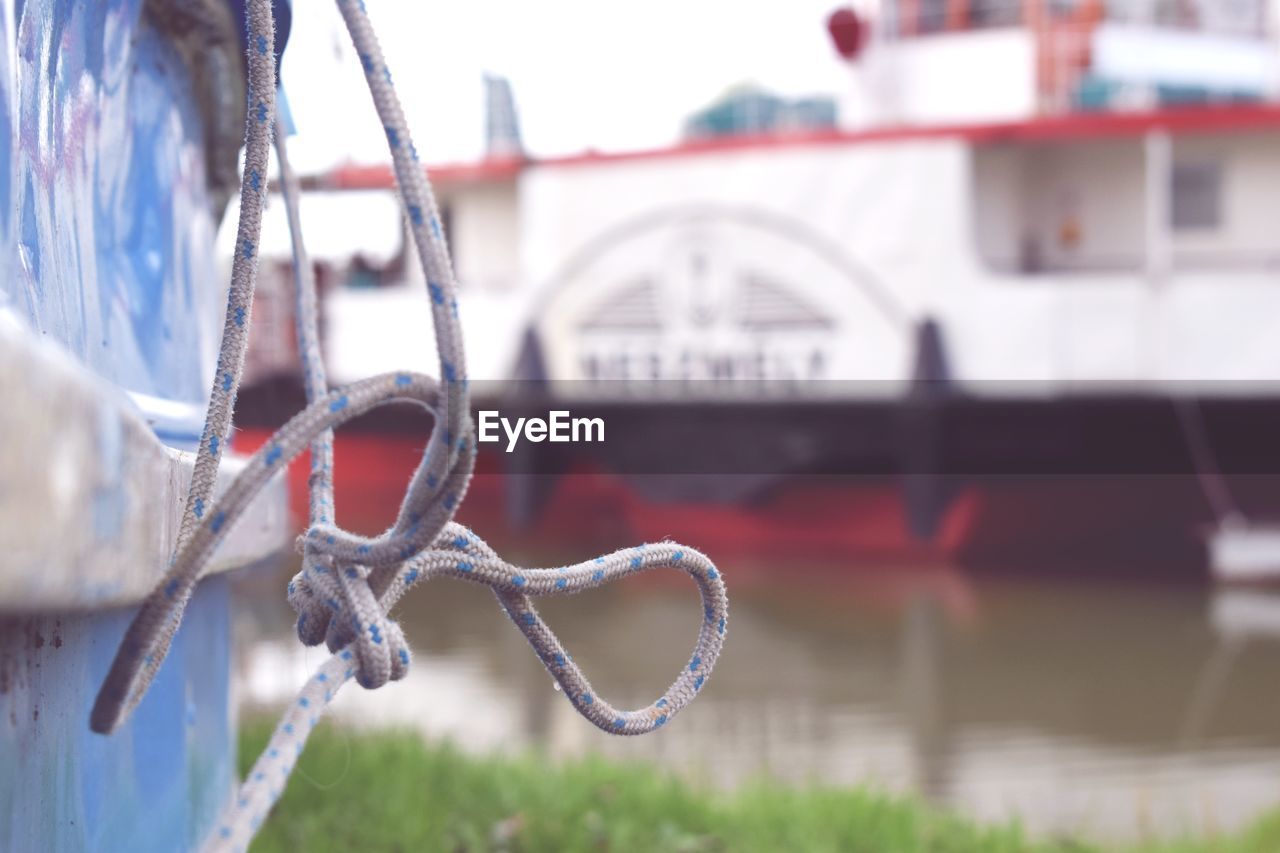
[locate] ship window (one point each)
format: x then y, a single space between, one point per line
994 13
1196 195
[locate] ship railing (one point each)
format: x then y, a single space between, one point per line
910 18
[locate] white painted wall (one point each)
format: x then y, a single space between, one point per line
1029 191
930 220
977 76
910 213
483 234
1210 321
1000 221
337 225
1041 193
1141 54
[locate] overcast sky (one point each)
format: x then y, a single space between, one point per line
600 74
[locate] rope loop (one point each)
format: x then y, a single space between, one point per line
465 556
147 640
335 606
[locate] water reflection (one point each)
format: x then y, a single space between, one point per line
1113 709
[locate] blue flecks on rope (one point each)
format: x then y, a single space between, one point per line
348 609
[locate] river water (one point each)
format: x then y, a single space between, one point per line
1110 709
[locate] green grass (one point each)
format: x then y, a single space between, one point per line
390 791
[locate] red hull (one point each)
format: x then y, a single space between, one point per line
815 520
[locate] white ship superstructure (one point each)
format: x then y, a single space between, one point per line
1074 193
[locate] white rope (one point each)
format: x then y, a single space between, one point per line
147 641
349 583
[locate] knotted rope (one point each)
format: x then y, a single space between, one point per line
348 583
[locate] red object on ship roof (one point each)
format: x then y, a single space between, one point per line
848 32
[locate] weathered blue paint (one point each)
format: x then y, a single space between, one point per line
106 225
158 783
107 247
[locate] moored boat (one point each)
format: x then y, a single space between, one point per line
1022 234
